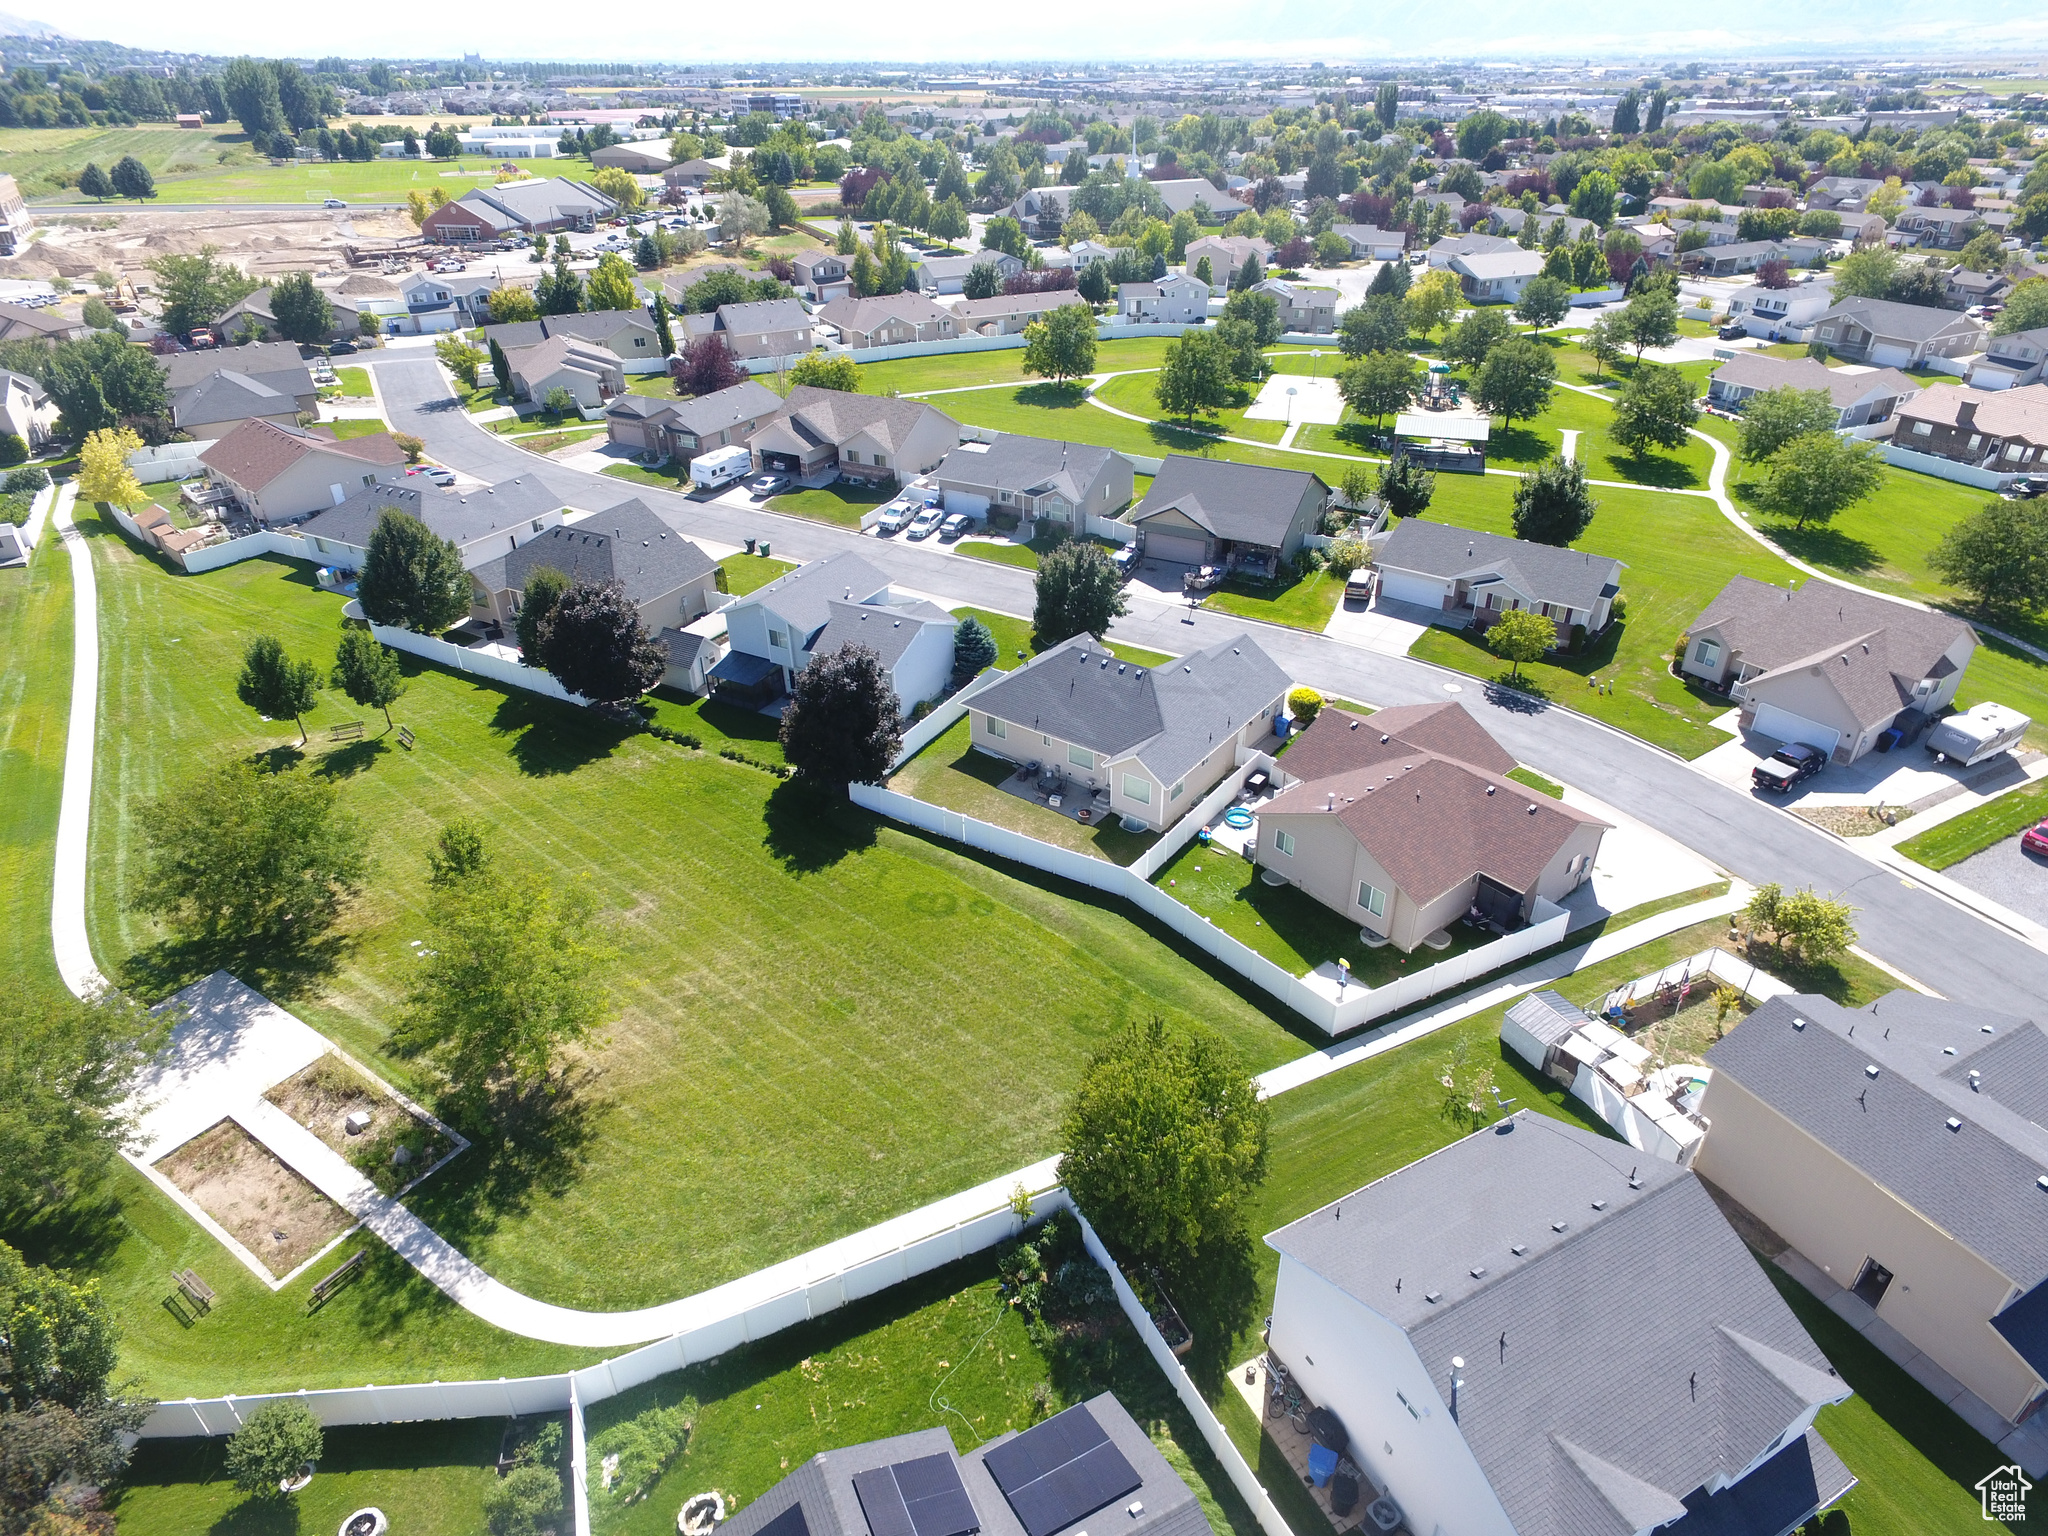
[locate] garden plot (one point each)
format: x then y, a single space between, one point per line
262 1204
389 1141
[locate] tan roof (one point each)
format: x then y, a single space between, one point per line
2003 413
833 416
257 452
855 314
1755 370
1017 304
1424 790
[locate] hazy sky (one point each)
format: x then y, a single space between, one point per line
1080 29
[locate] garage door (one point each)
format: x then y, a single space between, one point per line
1783 725
1891 355
1406 587
1179 551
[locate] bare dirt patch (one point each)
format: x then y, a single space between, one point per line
1850 820
269 1209
323 1095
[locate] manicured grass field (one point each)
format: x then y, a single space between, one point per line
354 381
964 370
747 573
356 426
246 181
1974 831
1014 644
35 699
1299 602
770 946
1023 556
1537 782
842 504
1138 394
670 476
1679 552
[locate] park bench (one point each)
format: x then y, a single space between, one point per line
196 1289
350 731
405 737
341 1275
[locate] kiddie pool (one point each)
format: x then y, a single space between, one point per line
1237 816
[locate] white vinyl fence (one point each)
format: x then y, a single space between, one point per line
171 461
1945 469
459 658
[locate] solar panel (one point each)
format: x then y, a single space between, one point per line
924 1497
882 1502
1060 1472
790 1522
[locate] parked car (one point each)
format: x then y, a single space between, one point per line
764 486
434 472
955 525
2035 839
1358 586
334 202
447 264
1791 763
1731 332
926 523
897 515
342 349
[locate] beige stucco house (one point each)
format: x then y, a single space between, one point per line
864 437
285 473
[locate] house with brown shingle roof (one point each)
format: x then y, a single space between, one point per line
282 474
887 321
1407 822
1825 664
1860 396
2002 430
865 437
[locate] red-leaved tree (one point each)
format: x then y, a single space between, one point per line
705 366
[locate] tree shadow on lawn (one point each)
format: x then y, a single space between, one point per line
1521 444
1054 397
810 829
551 738
1821 545
356 757
83 1233
280 966
1653 470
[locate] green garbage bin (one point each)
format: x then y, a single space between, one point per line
765 551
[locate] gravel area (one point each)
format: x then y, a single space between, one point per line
2015 880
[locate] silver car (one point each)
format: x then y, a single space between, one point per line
927 522
954 526
763 486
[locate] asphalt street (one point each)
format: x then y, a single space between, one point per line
1949 949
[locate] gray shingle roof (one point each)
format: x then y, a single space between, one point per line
626 543
275 363
805 596
1243 502
1547 1016
1613 1367
1755 370
833 415
228 396
1014 462
1169 717
1977 1183
1904 322
885 629
1540 571
703 415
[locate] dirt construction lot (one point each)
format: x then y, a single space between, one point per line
262 242
268 1209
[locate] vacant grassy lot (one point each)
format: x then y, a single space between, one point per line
1679 551
769 946
243 180
35 700
1974 831
1014 643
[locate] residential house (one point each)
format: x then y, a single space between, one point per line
1842 194
1694 210
1474 578
1193 194
252 317
1473 242
1226 255
483 523
275 365
1305 308
1782 313
764 328
281 473
1407 822
223 400
690 176
1899 1150
1146 742
590 373
159 532
1861 397
1173 300
641 158
2011 361
1881 332
1088 1465
1541 1331
1007 314
1945 229
896 320
775 631
1042 210
437 301
668 579
1202 511
694 649
18 322
663 427
1508 220
2004 431
1969 289
1368 242
863 437
1083 254
1035 478
15 219
537 205
822 275
948 274
1496 277
1825 664
627 334
26 409
1737 257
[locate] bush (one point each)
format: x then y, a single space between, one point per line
26 481
409 445
645 1444
679 738
524 1503
1304 704
1578 638
12 449
559 402
271 1447
1346 556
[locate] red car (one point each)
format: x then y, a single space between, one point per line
2035 839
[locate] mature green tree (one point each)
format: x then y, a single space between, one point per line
509 305
974 651
664 333
1553 504
1868 272
1061 345
196 290
982 281
1165 1143
1393 277
132 178
274 685
1543 303
1771 418
1518 636
1999 555
1406 487
782 209
544 588
611 285
2026 308
303 312
1593 198
1657 409
1473 337
1005 234
1817 475
412 578
515 970
949 220
64 1080
595 644
1239 340
98 379
1431 301
1606 339
1516 381
1195 375
1480 132
827 370
1650 318
1812 926
368 672
272 1445
95 182
1386 105
246 853
560 291
1380 324
1079 592
1380 384
842 725
1260 310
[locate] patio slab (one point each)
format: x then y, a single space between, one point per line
1290 397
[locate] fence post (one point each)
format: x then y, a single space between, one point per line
579 1464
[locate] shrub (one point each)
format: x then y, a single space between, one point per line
272 1445
523 1503
645 1444
559 402
12 449
26 481
1304 704
1346 556
409 445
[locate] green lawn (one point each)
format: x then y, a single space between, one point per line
432 1476
1679 552
1023 556
548 442
668 476
770 948
840 503
659 385
1014 643
35 699
942 1349
1300 602
748 573
354 382
1537 782
1137 393
1974 831
964 370
356 426
257 181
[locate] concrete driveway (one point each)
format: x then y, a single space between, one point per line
1906 777
2016 880
1389 628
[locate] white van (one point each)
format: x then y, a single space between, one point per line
721 466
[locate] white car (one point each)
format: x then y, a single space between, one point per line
926 522
334 202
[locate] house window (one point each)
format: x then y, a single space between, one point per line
536 525
1707 653
1923 429
1372 899
1177 791
881 462
1284 841
1137 789
997 728
778 638
1080 757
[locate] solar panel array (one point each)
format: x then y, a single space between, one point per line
1061 1471
924 1497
